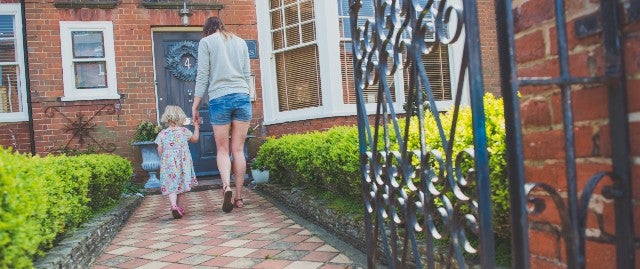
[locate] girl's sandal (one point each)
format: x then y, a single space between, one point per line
238 202
227 206
175 211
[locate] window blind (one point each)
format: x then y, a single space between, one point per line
298 79
293 32
436 65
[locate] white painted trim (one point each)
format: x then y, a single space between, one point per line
15 10
71 93
267 67
328 39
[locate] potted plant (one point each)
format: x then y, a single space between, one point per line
259 171
144 138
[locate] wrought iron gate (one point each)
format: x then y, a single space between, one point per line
426 206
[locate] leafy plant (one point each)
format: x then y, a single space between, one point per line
146 131
256 164
329 160
42 198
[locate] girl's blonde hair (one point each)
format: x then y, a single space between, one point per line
173 115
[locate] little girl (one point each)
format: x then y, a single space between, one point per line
176 166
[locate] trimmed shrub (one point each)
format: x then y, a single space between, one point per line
329 159
22 204
108 177
41 199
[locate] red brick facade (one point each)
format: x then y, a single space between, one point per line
541 107
133 26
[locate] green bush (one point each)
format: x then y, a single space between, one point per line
146 131
329 160
108 177
41 199
66 183
23 202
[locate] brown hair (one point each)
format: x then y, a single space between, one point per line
213 25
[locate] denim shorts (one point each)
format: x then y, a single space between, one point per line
231 107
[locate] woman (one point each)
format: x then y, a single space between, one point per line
224 72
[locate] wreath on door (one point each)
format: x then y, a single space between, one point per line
179 68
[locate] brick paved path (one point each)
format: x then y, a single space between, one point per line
256 236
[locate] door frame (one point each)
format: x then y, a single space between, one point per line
155 79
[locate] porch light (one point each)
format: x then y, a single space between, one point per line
185 14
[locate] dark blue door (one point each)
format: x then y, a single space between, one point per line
175 55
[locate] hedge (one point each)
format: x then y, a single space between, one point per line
329 159
43 198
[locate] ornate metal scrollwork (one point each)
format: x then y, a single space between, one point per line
82 129
425 206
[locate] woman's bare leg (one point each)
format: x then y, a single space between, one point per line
221 136
238 135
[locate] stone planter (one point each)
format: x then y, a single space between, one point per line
150 162
260 176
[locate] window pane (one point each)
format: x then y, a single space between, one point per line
308 32
370 94
293 36
291 15
306 11
87 44
6 26
7 50
276 3
276 19
436 65
91 75
298 78
278 40
10 97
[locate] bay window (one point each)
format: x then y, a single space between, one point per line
308 61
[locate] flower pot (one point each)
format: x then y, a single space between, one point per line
260 176
150 162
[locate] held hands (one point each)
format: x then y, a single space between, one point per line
196 122
196 117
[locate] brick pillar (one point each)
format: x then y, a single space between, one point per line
541 108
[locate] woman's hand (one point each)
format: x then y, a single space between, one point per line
194 109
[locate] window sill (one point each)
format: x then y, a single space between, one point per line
13 117
90 97
71 4
179 5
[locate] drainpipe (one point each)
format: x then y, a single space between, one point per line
32 140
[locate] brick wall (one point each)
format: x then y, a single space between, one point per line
114 126
536 49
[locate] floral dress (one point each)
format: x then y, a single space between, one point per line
176 166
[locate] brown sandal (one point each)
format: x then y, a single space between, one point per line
227 206
238 203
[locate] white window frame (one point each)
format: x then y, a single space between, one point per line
328 41
22 115
71 93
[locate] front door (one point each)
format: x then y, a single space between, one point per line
175 55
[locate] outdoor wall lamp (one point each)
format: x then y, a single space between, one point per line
185 14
